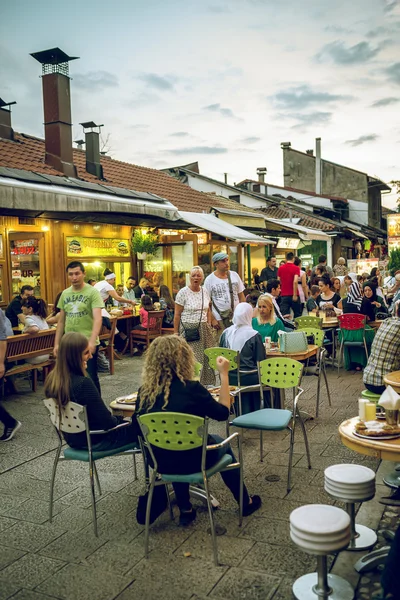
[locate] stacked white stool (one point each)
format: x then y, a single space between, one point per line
352 484
320 529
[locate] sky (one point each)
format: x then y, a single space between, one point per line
222 83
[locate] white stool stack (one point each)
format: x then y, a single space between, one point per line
351 484
320 529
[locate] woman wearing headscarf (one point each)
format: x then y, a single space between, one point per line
371 303
352 303
244 339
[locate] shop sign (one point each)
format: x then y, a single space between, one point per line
24 247
362 265
290 243
393 222
202 238
86 247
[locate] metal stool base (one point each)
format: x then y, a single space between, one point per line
371 561
365 538
392 479
304 588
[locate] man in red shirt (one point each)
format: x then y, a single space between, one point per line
289 275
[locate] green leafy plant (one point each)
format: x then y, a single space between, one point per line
394 261
144 242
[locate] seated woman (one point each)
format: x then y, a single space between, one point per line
146 305
266 323
353 300
35 314
327 296
167 304
244 339
68 381
168 373
53 318
385 354
371 303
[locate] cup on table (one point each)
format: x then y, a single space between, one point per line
392 417
370 411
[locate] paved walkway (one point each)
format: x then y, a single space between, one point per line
64 559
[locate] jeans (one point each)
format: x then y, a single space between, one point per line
375 389
92 369
6 418
230 478
116 439
288 303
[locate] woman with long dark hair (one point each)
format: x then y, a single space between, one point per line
68 381
167 304
35 313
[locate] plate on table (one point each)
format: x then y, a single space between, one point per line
392 436
130 399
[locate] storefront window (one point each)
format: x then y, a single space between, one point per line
233 258
204 258
1 283
96 268
25 262
153 268
182 262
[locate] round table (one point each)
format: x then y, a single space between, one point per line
383 449
393 379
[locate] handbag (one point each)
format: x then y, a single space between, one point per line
192 334
227 314
293 342
158 505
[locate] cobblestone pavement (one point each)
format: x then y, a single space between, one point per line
41 560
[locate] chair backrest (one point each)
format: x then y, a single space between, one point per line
30 344
172 431
108 334
352 321
232 355
154 324
281 372
310 321
319 335
198 367
72 416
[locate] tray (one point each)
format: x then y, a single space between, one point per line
392 436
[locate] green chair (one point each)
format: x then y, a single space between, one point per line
371 396
179 432
319 369
278 373
73 419
198 367
305 322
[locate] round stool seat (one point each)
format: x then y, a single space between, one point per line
349 474
370 396
321 546
343 493
319 520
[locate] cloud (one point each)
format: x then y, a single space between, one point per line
250 140
217 108
363 139
95 80
199 150
304 96
179 134
218 9
165 84
389 5
340 54
394 72
385 102
337 29
310 119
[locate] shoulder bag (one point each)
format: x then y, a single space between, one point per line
293 342
226 315
192 334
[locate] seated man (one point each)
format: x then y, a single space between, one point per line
274 289
13 310
385 354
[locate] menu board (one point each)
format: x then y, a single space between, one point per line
86 247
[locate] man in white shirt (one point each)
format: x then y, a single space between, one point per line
129 291
106 289
226 291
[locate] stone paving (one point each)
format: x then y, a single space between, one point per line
64 560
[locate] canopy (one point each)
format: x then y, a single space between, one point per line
305 233
210 222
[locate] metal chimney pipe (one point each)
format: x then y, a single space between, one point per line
261 172
318 183
6 131
226 177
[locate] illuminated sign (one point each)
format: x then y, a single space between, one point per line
393 224
290 243
86 247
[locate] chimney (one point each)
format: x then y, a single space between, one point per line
318 186
92 142
310 152
57 109
6 131
79 144
225 177
261 172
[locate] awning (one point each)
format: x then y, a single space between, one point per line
241 217
210 222
305 233
358 234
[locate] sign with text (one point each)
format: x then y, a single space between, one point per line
85 247
393 225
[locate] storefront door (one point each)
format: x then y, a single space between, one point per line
27 260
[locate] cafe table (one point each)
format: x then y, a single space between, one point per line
393 379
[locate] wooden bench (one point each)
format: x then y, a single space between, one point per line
107 335
29 345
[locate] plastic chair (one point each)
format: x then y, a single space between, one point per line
198 367
352 322
74 420
281 374
305 322
320 368
179 432
371 396
153 330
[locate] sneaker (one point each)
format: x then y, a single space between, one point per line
185 518
250 508
10 431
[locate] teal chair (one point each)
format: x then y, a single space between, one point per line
278 374
73 419
308 321
319 370
179 432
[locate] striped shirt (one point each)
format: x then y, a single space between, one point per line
385 353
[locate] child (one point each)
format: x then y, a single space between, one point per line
311 303
146 304
266 322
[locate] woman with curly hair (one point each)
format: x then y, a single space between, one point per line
168 385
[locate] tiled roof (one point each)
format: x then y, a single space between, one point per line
28 152
223 202
305 220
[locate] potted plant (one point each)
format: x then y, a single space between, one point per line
144 243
